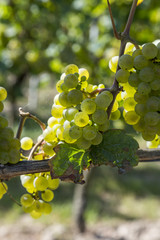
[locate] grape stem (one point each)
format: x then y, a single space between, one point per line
34 149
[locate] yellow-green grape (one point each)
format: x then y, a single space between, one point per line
152 118
115 115
62 76
94 87
66 124
105 126
129 47
63 99
75 97
144 88
3 93
81 119
146 74
15 143
113 63
3 188
88 106
38 206
27 180
26 143
69 113
149 50
1 106
103 100
83 73
57 111
119 97
35 214
27 209
83 143
89 132
71 69
122 76
136 53
26 200
148 136
133 79
115 106
140 98
3 122
75 132
153 104
101 85
7 133
126 62
99 116
154 143
59 133
89 88
71 81
84 84
140 62
155 85
49 134
53 184
140 125
61 120
140 109
40 183
128 90
48 148
129 104
47 208
66 136
131 117
58 85
52 121
98 139
47 195
56 99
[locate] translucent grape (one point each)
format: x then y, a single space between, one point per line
113 63
146 74
71 69
63 99
131 117
52 183
115 115
75 96
75 132
1 106
133 80
71 81
47 195
48 148
144 88
103 100
58 85
89 132
98 139
26 143
69 113
3 94
140 62
66 136
52 121
49 134
26 200
129 104
126 62
153 104
83 73
152 118
88 106
140 109
57 111
40 183
99 116
149 50
83 143
148 136
81 119
105 126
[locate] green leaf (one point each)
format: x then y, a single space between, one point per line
117 149
67 155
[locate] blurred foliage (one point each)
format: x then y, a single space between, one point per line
39 37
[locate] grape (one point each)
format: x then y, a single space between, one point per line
66 124
70 81
98 139
146 74
88 106
52 183
99 116
152 118
47 195
66 136
105 126
3 122
131 117
129 104
75 96
89 132
27 200
35 214
49 134
115 106
133 80
122 76
140 109
56 99
81 119
63 99
103 101
52 121
140 98
155 85
140 62
140 125
48 148
40 183
58 85
71 69
57 111
153 104
83 73
27 180
113 63
153 144
47 208
82 143
38 206
148 136
1 106
69 113
7 133
75 132
15 143
26 143
115 115
136 53
3 93
149 50
126 62
3 188
144 88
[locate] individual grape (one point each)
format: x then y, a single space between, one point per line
122 76
14 156
3 122
83 143
48 148
75 132
126 62
40 183
3 94
105 126
1 106
115 106
146 74
140 62
58 85
53 184
7 133
101 85
149 50
154 143
71 81
27 209
148 136
59 133
129 104
153 104
35 214
52 121
56 99
81 119
88 106
115 115
136 53
15 144
133 79
152 118
62 76
47 195
140 109
4 145
61 120
131 117
63 99
140 98
129 47
103 101
89 132
47 208
26 200
83 73
57 111
26 143
155 84
113 63
99 116
140 125
38 206
98 139
75 96
69 113
49 134
71 69
66 136
4 157
144 88
66 124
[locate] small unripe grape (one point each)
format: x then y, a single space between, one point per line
26 143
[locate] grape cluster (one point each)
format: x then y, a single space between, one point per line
78 116
9 146
40 188
139 74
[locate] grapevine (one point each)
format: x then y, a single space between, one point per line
78 135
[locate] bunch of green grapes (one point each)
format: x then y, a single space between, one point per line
78 115
40 188
139 74
9 146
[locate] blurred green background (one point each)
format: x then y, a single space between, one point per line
38 38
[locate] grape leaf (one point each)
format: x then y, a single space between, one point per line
68 155
139 2
117 149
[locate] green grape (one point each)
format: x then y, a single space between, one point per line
140 98
59 133
89 132
115 115
40 183
129 104
15 143
1 106
27 180
26 200
26 143
131 117
140 125
57 111
128 91
133 79
38 206
3 188
27 209
84 84
69 113
53 184
101 85
103 101
129 47
89 88
56 99
48 148
98 139
66 124
151 118
153 104
49 134
136 53
3 122
155 84
140 109
154 143
105 126
35 214
126 62
71 81
4 157
109 94
75 132
149 50
146 74
52 121
140 62
83 73
113 63
66 136
47 208
4 145
75 96
58 85
148 136
122 76
3 94
7 133
115 106
61 120
63 99
88 106
99 116
83 143
71 69
144 88
14 156
81 119
47 195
